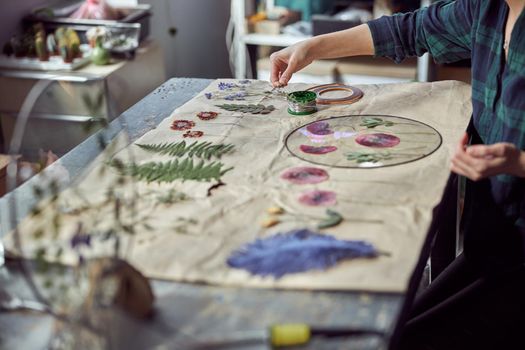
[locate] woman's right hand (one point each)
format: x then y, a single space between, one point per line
350 42
286 62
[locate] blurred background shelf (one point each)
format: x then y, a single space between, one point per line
355 70
66 113
248 64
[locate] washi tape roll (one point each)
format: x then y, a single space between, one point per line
354 95
302 102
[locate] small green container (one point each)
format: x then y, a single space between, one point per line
302 102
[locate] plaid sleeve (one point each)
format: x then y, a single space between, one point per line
444 30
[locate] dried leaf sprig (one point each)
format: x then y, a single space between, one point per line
204 150
374 122
369 157
332 218
251 108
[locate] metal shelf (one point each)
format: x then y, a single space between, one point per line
59 76
238 8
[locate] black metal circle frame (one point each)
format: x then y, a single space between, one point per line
355 116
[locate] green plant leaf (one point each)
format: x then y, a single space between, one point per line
175 170
368 157
373 122
333 219
204 150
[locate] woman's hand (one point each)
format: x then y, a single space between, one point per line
481 161
286 62
350 42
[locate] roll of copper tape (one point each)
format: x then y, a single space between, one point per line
355 94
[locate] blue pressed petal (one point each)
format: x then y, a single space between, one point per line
297 251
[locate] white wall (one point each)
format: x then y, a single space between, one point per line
11 13
198 50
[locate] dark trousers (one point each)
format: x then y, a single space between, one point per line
478 301
463 309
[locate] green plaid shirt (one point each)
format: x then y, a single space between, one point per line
460 29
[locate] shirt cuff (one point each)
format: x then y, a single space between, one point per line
383 42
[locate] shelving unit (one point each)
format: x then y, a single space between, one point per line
244 40
61 116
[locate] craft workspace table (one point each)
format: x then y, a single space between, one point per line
183 308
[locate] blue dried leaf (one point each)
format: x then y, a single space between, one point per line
297 251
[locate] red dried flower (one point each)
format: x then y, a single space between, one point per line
193 134
207 115
182 124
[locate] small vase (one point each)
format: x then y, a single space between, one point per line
100 55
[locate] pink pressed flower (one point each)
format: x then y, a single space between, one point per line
305 175
320 128
378 140
318 198
317 150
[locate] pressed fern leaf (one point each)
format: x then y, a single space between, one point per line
365 157
204 150
173 170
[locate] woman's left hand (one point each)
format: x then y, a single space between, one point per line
481 161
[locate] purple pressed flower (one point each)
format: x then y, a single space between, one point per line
305 175
226 86
80 239
246 81
240 96
208 95
317 150
320 128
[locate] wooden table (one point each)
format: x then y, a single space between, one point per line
202 310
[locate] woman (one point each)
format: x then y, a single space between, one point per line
479 301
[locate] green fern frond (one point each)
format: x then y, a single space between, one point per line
368 157
204 150
174 170
374 122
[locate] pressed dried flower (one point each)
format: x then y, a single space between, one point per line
275 210
270 222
